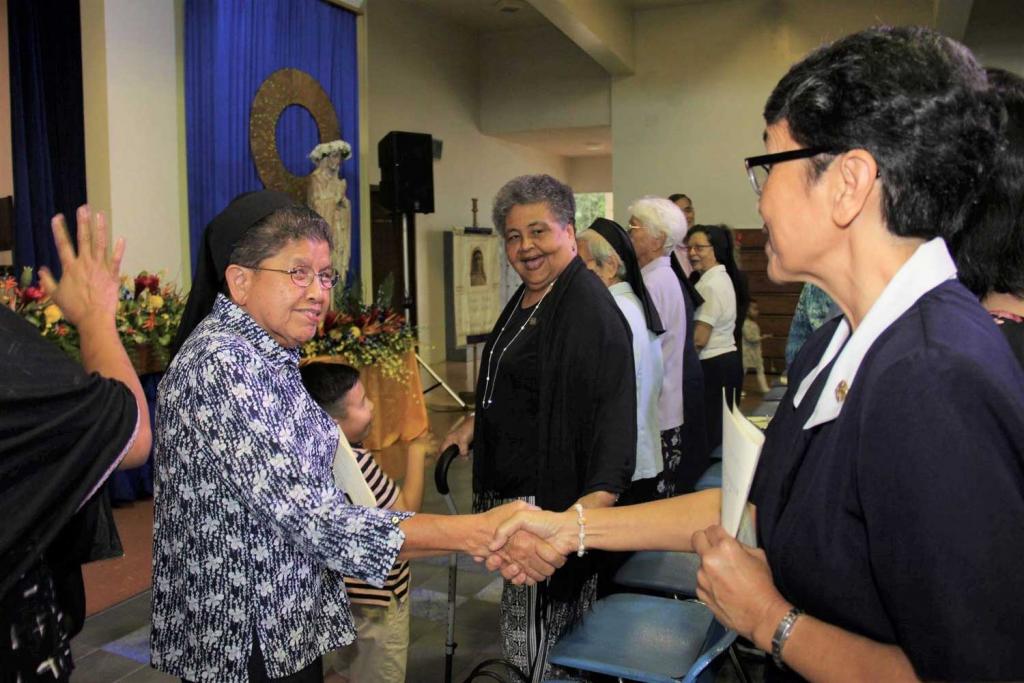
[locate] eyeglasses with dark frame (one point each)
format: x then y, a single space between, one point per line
759 167
303 277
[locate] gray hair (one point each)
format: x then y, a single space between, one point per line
271 234
661 217
602 251
534 189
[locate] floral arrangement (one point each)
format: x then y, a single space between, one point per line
147 317
326 149
31 303
365 334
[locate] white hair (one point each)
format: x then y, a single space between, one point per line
661 217
602 251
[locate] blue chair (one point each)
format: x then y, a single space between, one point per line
645 638
712 477
666 572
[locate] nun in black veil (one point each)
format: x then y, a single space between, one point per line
608 252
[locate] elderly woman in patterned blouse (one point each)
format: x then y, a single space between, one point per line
252 537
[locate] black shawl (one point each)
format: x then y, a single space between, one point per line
586 421
219 240
61 434
619 240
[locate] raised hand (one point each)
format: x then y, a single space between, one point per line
88 289
736 583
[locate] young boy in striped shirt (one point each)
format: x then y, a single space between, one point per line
381 615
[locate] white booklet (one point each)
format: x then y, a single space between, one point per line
741 448
348 477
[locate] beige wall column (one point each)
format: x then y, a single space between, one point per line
6 162
134 128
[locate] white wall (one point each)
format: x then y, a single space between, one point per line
6 163
692 112
424 77
590 174
134 130
536 78
995 34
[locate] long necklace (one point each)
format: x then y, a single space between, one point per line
488 397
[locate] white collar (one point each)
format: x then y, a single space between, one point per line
660 262
929 267
620 288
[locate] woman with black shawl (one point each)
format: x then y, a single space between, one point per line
555 420
64 427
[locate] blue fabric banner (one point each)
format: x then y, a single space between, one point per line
230 49
47 125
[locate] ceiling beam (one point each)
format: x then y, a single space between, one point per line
950 17
602 28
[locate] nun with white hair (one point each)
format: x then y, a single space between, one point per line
656 226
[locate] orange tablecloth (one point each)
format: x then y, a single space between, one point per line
399 410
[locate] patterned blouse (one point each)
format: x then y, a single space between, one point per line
251 535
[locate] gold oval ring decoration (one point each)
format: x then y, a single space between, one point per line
282 89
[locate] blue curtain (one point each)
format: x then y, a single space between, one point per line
230 49
47 124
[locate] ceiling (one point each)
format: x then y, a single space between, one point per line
486 15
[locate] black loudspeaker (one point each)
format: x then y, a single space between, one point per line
407 172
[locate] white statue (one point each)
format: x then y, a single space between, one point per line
326 196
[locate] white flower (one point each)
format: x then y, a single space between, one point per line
282 510
240 391
233 652
297 493
270 622
260 483
236 614
214 563
325 149
232 506
214 600
260 553
207 489
278 460
354 524
265 588
211 637
236 578
210 525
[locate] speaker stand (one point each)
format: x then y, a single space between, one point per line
409 304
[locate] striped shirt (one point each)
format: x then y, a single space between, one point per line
385 491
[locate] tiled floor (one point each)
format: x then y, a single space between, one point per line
113 646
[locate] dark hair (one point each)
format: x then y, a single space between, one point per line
534 189
268 236
990 251
720 238
328 384
677 196
917 101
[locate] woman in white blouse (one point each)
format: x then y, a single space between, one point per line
710 250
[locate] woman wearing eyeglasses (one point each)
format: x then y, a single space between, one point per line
252 538
889 494
716 320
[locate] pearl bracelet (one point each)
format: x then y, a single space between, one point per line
580 521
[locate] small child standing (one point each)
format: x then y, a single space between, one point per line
381 615
752 356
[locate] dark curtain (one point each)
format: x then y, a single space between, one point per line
47 124
230 49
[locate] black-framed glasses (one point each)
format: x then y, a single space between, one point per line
303 277
759 167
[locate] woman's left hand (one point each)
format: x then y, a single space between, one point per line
735 582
